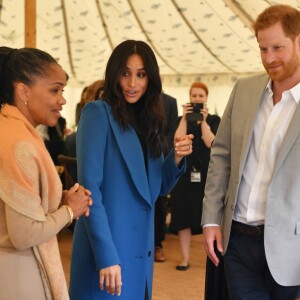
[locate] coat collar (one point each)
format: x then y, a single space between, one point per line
131 150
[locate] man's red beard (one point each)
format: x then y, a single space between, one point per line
287 69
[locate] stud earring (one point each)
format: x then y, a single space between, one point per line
25 103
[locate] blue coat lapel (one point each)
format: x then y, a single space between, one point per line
154 176
128 142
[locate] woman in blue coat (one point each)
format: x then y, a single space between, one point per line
120 161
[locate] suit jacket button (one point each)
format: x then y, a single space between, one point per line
149 253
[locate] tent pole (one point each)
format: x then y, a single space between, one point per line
30 23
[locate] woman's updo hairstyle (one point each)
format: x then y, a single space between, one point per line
21 65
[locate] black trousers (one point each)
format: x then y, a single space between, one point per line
215 280
160 220
248 274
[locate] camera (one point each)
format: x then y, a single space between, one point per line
195 115
197 107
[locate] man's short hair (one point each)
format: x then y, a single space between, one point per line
288 16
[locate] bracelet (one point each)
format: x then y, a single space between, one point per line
70 213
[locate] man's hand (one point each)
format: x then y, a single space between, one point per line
212 234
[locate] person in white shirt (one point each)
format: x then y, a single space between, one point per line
251 208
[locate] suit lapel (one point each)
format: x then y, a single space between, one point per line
154 176
289 139
292 131
254 103
132 153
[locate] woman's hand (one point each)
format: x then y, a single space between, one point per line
79 199
110 277
182 127
204 112
183 146
186 109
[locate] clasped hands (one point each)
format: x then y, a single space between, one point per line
79 199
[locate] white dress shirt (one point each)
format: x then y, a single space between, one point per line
270 126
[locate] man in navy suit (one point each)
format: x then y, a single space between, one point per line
171 112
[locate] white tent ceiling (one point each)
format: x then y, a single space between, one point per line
190 37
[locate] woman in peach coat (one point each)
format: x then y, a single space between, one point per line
33 207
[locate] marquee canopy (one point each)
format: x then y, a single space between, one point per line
189 37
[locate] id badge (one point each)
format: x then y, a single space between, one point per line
195 176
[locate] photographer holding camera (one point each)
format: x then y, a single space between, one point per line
186 204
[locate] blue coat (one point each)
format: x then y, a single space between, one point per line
120 227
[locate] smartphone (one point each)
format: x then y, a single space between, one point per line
195 115
197 107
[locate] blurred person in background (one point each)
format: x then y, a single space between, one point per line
161 206
186 204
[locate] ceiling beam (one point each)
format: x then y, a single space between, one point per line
1 7
241 13
104 24
68 41
148 38
30 23
179 10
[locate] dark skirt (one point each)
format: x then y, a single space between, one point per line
186 205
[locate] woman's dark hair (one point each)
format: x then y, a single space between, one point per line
21 65
152 113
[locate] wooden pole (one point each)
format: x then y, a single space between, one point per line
30 23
